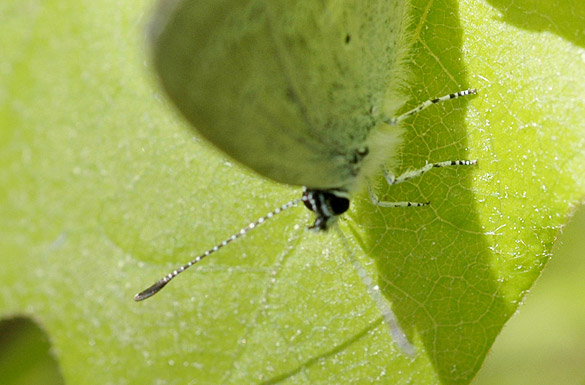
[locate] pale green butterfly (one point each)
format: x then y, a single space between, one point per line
301 91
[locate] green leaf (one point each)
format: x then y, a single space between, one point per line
104 190
543 344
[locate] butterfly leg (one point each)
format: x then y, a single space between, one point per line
394 121
377 202
411 174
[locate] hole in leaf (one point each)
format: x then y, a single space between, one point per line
25 357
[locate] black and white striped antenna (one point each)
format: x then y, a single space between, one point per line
156 287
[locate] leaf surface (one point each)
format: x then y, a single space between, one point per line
104 190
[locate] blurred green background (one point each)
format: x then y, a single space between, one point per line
544 344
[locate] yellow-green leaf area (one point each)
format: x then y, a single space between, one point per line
104 189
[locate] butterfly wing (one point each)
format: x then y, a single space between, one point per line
287 88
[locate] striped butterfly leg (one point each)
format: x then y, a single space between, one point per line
411 174
392 180
423 106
